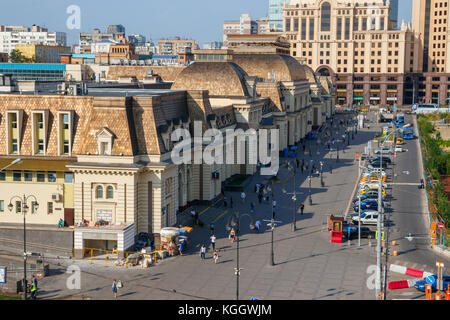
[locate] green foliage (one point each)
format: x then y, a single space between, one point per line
16 56
436 160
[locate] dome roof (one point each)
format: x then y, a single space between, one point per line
219 78
286 68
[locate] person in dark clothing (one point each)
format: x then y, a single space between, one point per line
211 227
260 197
302 207
231 202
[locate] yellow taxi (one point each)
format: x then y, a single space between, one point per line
400 141
372 177
383 191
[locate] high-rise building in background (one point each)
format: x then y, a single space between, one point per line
276 14
173 46
431 22
245 25
431 19
354 42
137 40
11 36
394 11
117 28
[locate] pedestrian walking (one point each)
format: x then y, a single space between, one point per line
257 226
232 235
252 207
260 197
193 216
33 289
216 256
243 196
303 168
114 288
231 202
202 252
225 202
302 207
213 241
211 227
298 162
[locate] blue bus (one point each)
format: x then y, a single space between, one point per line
407 133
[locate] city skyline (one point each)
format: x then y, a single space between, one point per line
159 26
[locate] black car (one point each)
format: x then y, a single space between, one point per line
384 159
377 164
366 233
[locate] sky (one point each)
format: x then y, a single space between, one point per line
156 19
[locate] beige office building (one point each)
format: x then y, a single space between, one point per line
353 42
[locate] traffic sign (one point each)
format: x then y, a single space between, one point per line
430 280
376 235
2 275
441 226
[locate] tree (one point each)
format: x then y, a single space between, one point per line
16 56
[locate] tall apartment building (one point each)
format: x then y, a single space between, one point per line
431 21
86 38
245 25
173 46
11 36
355 43
137 40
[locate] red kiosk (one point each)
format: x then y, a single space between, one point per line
335 226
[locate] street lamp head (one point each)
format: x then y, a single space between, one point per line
10 206
25 208
36 205
16 161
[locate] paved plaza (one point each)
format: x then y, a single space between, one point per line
307 266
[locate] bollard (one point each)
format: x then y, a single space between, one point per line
126 264
106 258
92 254
428 291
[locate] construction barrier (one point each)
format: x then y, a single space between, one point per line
402 284
409 272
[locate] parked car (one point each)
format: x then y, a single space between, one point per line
368 205
367 218
377 164
374 193
384 159
399 149
366 232
384 151
366 197
420 285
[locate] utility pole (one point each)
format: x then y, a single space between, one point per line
378 273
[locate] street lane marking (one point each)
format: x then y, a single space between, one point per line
204 211
220 216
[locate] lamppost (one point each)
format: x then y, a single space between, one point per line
309 193
293 167
25 208
16 161
321 174
235 222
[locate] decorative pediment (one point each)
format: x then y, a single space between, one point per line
105 140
